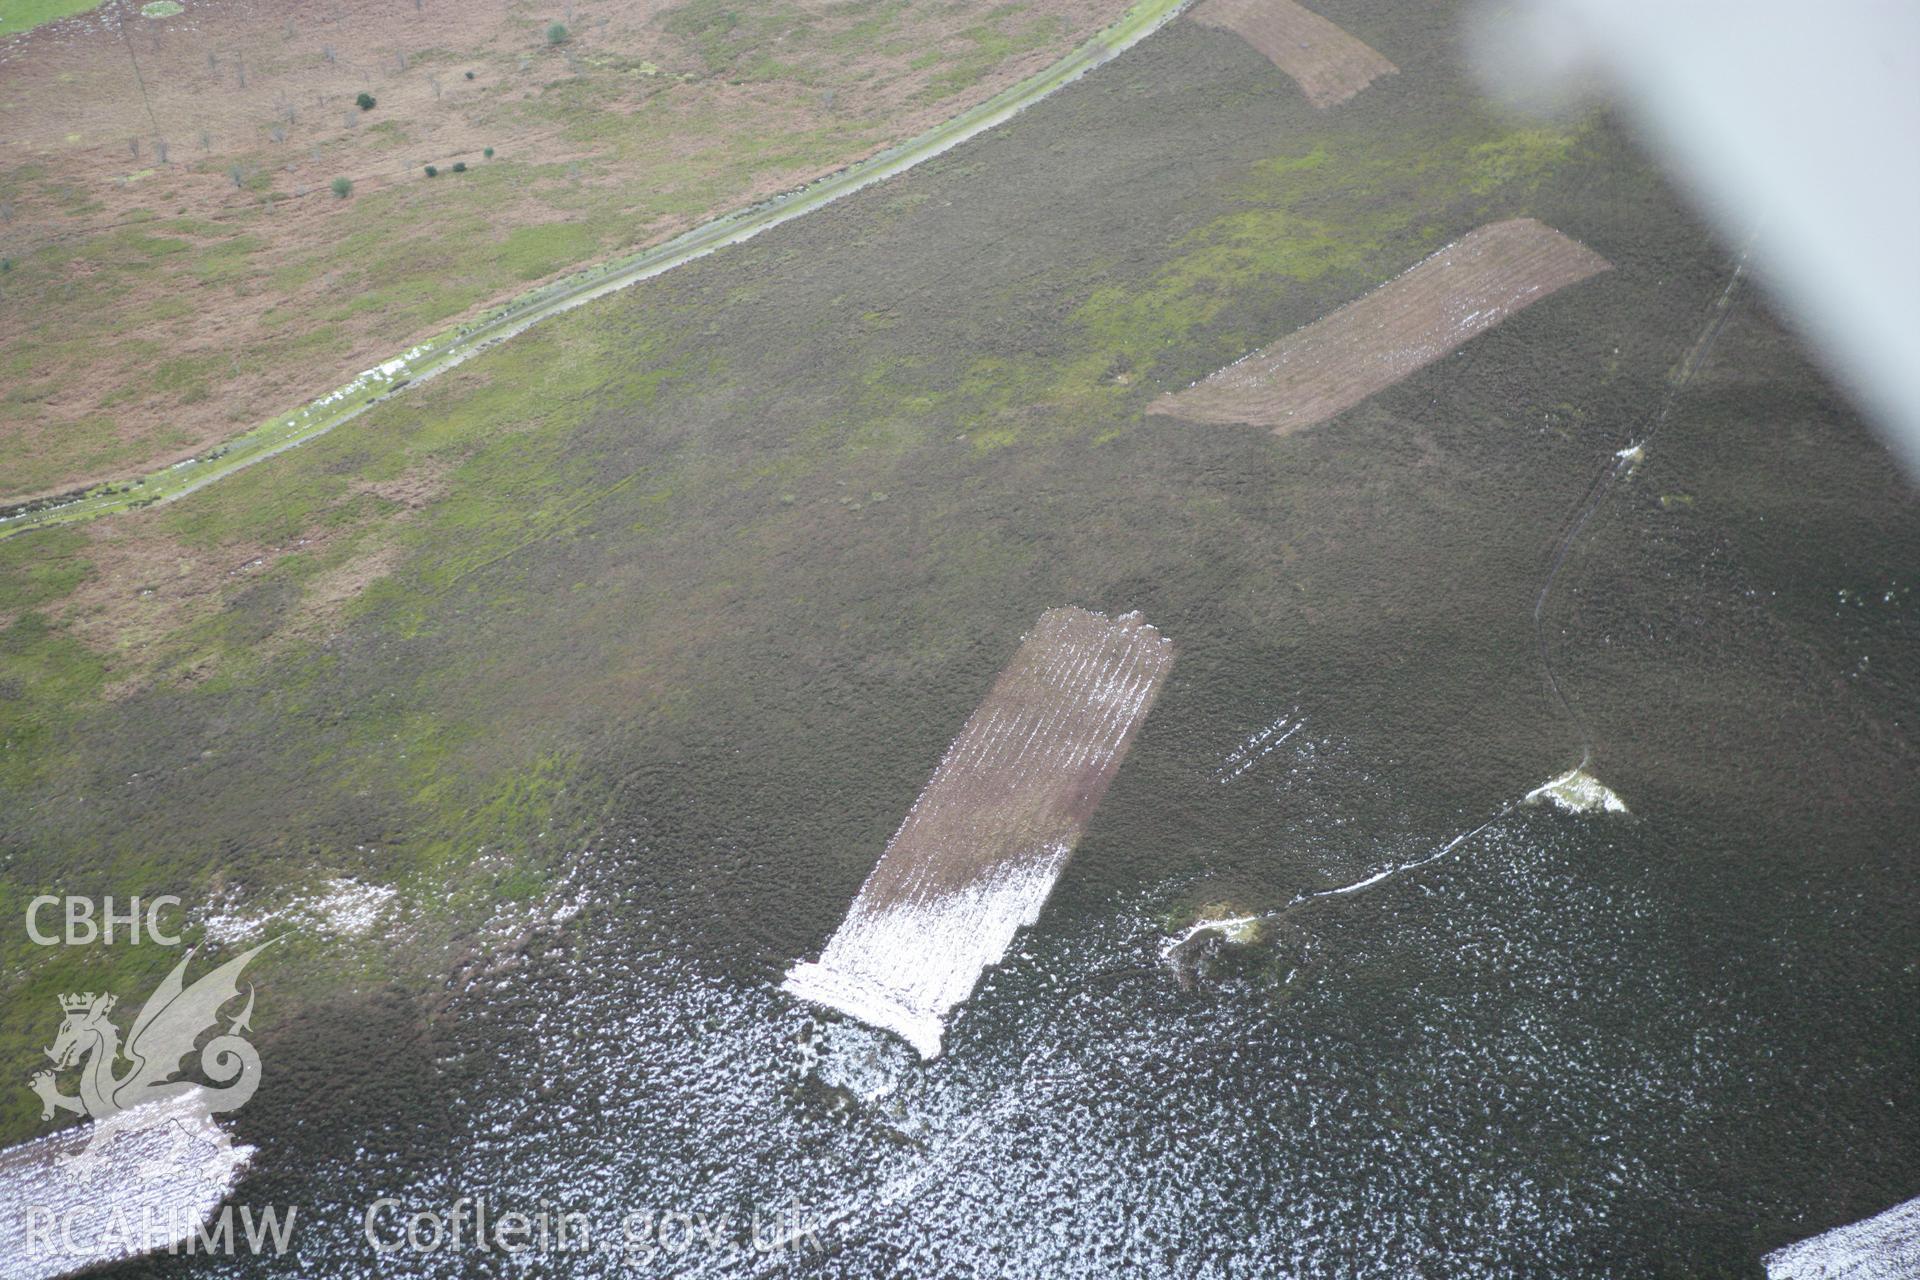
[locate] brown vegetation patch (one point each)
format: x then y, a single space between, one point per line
147 589
1371 343
1329 65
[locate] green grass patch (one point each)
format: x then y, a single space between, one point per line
25 15
530 253
187 378
990 44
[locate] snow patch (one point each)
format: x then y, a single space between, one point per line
137 1183
1883 1247
346 908
1577 791
1238 930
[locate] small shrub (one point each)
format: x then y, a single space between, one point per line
432 172
557 33
488 153
343 187
469 75
365 101
459 166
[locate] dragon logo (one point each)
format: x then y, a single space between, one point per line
115 1078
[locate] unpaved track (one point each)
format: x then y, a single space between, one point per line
1401 327
981 848
1329 65
439 354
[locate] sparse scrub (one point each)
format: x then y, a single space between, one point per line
343 187
557 33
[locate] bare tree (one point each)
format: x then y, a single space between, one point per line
213 62
326 52
160 150
240 70
237 175
400 59
434 81
277 132
133 147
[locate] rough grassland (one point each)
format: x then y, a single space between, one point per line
1406 324
177 268
435 355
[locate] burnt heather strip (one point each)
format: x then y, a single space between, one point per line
981 848
1406 324
1329 65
